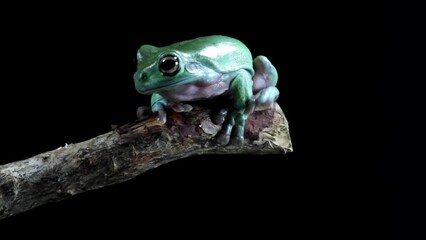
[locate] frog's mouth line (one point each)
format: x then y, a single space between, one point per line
163 87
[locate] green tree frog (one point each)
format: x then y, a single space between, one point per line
203 68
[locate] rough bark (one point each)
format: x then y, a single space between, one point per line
128 151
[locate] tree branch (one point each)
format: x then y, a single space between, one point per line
128 151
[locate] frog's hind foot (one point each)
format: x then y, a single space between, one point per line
266 98
265 74
264 81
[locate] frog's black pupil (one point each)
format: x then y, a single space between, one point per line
169 65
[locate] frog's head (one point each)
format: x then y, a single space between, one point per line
160 69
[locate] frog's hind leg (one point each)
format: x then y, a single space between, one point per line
265 74
264 81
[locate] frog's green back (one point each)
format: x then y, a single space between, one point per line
221 53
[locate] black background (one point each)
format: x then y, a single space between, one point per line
67 76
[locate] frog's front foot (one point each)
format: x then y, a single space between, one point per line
234 125
222 138
144 112
180 107
218 117
162 116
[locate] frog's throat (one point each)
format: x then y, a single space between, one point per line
168 85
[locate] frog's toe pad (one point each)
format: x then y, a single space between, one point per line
218 118
180 107
187 107
237 140
222 139
162 116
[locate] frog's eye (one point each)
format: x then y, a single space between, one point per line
169 65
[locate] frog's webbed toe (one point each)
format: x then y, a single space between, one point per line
237 140
180 107
162 116
222 138
224 135
233 128
219 117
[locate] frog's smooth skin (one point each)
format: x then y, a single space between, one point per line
203 68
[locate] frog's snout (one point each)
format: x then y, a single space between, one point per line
140 76
144 76
141 81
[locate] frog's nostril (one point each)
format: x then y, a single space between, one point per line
143 76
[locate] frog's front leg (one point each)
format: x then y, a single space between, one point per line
158 104
241 90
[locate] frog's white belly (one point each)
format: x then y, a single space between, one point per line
197 90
